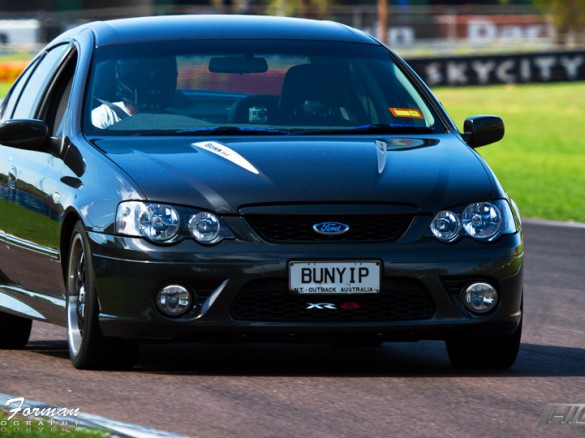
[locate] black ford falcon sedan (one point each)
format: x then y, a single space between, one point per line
215 178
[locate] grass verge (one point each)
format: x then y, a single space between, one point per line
541 160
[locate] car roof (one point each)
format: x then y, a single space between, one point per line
180 27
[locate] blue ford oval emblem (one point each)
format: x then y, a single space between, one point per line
331 228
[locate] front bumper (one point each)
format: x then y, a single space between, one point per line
421 283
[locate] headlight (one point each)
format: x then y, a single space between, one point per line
205 227
164 223
156 222
484 221
446 226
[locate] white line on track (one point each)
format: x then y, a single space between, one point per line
551 223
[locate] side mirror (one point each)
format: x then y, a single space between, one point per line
25 134
481 130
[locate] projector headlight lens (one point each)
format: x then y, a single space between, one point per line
205 227
482 221
446 226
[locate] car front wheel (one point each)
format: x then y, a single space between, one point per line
88 348
498 352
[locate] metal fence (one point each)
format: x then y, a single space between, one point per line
412 31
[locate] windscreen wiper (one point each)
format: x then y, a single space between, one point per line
370 129
231 130
213 130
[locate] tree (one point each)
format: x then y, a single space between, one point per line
568 18
299 8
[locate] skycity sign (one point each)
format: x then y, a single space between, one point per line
502 69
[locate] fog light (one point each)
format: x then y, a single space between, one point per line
174 300
480 297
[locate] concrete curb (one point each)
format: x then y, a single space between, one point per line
552 223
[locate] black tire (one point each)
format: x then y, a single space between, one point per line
14 331
498 352
88 348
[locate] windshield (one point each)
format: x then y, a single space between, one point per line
241 87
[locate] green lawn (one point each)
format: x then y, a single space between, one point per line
541 160
4 89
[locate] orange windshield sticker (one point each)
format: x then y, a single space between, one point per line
406 112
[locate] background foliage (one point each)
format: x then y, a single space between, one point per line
541 160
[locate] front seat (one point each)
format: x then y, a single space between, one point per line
315 94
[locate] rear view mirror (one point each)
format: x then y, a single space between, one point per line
482 130
238 64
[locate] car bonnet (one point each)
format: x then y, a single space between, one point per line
226 174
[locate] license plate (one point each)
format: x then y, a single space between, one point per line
335 278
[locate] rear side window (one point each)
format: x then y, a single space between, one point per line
38 81
14 93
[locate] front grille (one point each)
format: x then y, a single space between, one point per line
362 228
271 301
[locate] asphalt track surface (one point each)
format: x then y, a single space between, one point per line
396 390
